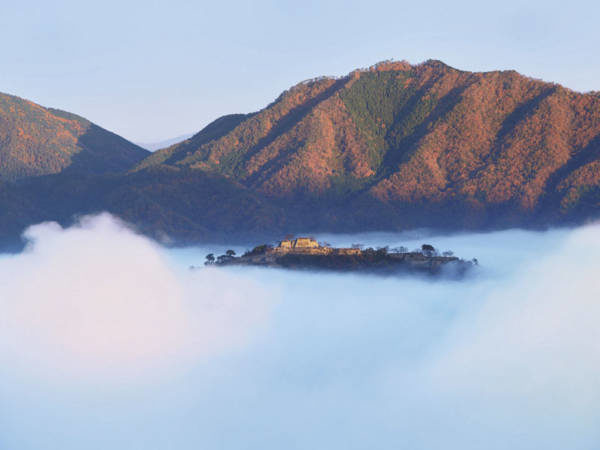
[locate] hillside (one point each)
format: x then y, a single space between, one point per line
168 204
398 145
37 141
392 147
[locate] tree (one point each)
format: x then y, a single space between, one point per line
400 249
258 250
427 249
381 252
370 251
210 258
230 253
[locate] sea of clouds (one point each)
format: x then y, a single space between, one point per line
110 341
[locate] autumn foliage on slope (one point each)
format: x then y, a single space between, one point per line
36 141
414 144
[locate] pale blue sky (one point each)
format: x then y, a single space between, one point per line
152 70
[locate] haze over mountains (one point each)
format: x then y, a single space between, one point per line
153 146
392 147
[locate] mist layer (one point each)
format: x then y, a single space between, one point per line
110 341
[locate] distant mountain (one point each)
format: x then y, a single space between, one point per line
398 145
153 146
37 141
392 147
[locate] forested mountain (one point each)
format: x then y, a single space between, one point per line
37 141
392 147
402 145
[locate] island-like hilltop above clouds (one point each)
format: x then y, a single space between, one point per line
391 147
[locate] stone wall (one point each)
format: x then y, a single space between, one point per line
285 244
305 243
348 251
309 246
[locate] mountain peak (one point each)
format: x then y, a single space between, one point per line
405 135
390 64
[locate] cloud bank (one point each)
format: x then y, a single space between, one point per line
100 299
509 358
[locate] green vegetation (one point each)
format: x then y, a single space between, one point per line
215 130
258 250
388 108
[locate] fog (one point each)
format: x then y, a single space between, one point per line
110 341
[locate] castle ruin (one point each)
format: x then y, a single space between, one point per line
309 246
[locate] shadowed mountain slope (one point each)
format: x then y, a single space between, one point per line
169 204
37 141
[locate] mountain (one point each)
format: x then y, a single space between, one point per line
392 147
37 141
153 146
400 145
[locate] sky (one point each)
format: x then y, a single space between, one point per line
153 70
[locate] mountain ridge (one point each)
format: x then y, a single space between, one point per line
391 147
414 135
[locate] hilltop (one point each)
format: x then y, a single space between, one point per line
308 254
39 141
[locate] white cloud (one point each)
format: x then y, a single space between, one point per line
509 358
536 333
100 299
